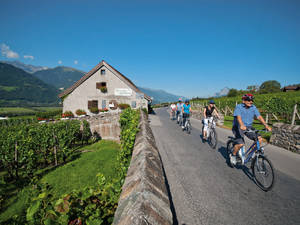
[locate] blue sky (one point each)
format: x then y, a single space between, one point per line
190 48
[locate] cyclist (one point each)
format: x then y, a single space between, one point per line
179 109
208 116
172 110
186 111
243 118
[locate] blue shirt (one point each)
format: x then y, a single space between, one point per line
186 108
179 106
247 114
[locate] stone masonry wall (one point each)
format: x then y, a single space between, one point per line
105 124
286 136
144 198
198 114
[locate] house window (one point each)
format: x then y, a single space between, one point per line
101 86
103 104
102 72
133 104
92 104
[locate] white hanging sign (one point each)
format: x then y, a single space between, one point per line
123 92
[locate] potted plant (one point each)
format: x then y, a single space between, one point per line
80 112
67 114
103 89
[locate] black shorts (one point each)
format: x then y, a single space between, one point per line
239 135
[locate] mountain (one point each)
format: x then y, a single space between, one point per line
19 88
60 77
26 67
160 96
223 92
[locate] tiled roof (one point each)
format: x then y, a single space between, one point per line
291 87
94 70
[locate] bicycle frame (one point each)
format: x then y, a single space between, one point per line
251 150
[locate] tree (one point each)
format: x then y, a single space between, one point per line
232 92
269 86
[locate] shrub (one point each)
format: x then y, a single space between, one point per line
94 110
67 114
80 112
124 106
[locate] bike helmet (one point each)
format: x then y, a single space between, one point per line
180 99
212 102
248 97
187 101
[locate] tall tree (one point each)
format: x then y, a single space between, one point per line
232 92
269 86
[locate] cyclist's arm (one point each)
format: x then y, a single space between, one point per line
242 125
261 119
204 113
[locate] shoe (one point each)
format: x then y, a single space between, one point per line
232 159
182 127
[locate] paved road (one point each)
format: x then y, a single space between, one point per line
205 190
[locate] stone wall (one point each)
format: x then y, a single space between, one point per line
105 124
286 136
144 198
198 114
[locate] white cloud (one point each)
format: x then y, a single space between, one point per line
28 57
59 62
7 52
75 62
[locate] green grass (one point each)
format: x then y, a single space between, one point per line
78 174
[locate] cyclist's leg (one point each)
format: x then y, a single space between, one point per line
239 139
184 120
205 126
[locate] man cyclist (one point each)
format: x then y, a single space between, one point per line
179 109
186 111
172 111
208 116
243 118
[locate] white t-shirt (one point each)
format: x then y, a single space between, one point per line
173 107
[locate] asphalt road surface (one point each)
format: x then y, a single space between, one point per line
205 190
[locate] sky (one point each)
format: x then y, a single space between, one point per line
185 47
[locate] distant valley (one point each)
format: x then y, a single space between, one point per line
28 85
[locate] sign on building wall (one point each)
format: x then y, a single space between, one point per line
123 92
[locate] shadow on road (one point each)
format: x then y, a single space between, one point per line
223 151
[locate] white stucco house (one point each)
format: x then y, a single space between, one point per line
102 87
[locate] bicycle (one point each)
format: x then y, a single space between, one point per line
260 165
187 125
211 133
179 119
173 115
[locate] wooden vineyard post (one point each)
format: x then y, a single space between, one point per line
16 159
55 149
267 118
295 112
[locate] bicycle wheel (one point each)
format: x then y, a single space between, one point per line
263 172
188 128
213 139
230 145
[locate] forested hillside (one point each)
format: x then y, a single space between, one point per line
18 87
60 77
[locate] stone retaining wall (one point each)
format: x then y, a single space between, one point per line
286 136
105 124
144 198
198 114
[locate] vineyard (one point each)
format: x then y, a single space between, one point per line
279 105
27 149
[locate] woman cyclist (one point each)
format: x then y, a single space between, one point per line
208 116
186 111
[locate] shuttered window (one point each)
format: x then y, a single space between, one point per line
92 104
100 85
